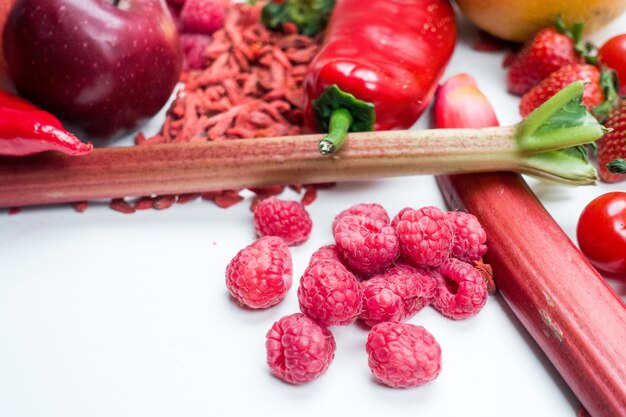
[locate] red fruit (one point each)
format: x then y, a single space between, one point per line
601 232
259 276
613 144
396 294
403 355
286 219
366 210
298 349
329 293
592 96
548 51
325 253
425 236
367 244
469 239
613 55
202 16
461 291
397 217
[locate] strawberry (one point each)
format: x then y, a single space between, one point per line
613 144
550 49
592 96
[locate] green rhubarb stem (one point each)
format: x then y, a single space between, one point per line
340 122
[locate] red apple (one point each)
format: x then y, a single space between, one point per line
103 65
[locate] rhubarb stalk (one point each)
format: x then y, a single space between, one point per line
536 147
567 307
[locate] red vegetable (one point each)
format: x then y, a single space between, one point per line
601 232
25 130
613 55
571 312
388 54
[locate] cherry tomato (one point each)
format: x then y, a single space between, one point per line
601 232
613 54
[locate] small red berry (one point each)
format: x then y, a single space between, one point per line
425 236
365 210
202 16
469 239
260 275
286 219
329 293
298 349
461 291
403 355
367 244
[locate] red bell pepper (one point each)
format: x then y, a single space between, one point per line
26 129
389 54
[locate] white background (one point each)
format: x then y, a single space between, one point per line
104 314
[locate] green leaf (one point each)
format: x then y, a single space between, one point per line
617 166
310 16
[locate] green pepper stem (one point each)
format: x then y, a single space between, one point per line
340 122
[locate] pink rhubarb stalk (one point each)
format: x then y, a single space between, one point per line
568 308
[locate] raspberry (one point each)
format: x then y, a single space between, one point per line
194 45
469 239
298 349
367 244
326 252
461 291
396 294
329 293
398 216
403 355
259 276
286 219
366 210
202 16
425 236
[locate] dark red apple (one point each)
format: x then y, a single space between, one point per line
103 65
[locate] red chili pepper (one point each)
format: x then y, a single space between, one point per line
387 53
26 129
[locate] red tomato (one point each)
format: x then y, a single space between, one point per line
613 54
601 232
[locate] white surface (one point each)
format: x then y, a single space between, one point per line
103 314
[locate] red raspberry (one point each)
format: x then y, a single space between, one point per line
367 244
202 16
298 349
366 210
329 293
469 239
403 355
425 236
259 276
398 216
286 219
461 291
397 294
326 252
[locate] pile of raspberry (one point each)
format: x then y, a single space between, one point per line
379 271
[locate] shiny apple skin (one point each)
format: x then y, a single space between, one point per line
100 67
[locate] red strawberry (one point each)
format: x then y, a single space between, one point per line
548 51
592 95
613 144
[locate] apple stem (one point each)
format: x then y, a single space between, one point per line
116 3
